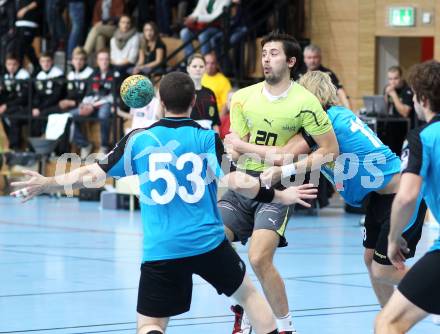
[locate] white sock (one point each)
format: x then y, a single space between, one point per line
285 323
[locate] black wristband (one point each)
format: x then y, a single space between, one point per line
265 195
309 140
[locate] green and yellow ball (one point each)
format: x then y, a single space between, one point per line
137 91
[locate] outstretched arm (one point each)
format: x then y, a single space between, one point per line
91 176
250 187
242 183
406 198
403 207
78 178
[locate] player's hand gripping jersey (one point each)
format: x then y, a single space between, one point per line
274 123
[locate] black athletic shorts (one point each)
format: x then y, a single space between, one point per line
243 215
377 226
421 285
165 287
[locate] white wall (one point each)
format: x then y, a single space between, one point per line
387 55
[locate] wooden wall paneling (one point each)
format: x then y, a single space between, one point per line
382 28
173 44
307 19
409 52
4 144
253 51
367 51
347 35
334 28
437 31
343 57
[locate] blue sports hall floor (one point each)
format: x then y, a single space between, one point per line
69 267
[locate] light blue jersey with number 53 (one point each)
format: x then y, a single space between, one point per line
177 162
365 164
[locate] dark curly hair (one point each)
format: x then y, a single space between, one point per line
424 80
291 46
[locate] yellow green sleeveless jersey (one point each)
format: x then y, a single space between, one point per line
275 123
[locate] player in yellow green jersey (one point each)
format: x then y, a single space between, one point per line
270 113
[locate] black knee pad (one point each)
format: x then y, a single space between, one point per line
154 332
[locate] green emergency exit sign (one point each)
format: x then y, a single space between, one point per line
401 16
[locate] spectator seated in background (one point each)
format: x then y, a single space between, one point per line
205 110
216 81
76 81
106 14
206 13
124 46
48 90
152 51
14 92
399 98
74 91
26 28
97 102
312 60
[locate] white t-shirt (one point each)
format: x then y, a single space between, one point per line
144 117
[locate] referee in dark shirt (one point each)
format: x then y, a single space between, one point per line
399 98
312 61
398 94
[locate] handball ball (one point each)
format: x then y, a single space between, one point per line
137 91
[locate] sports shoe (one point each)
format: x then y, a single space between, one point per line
285 325
436 319
241 323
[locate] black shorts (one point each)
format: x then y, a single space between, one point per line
243 215
377 227
421 285
165 287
